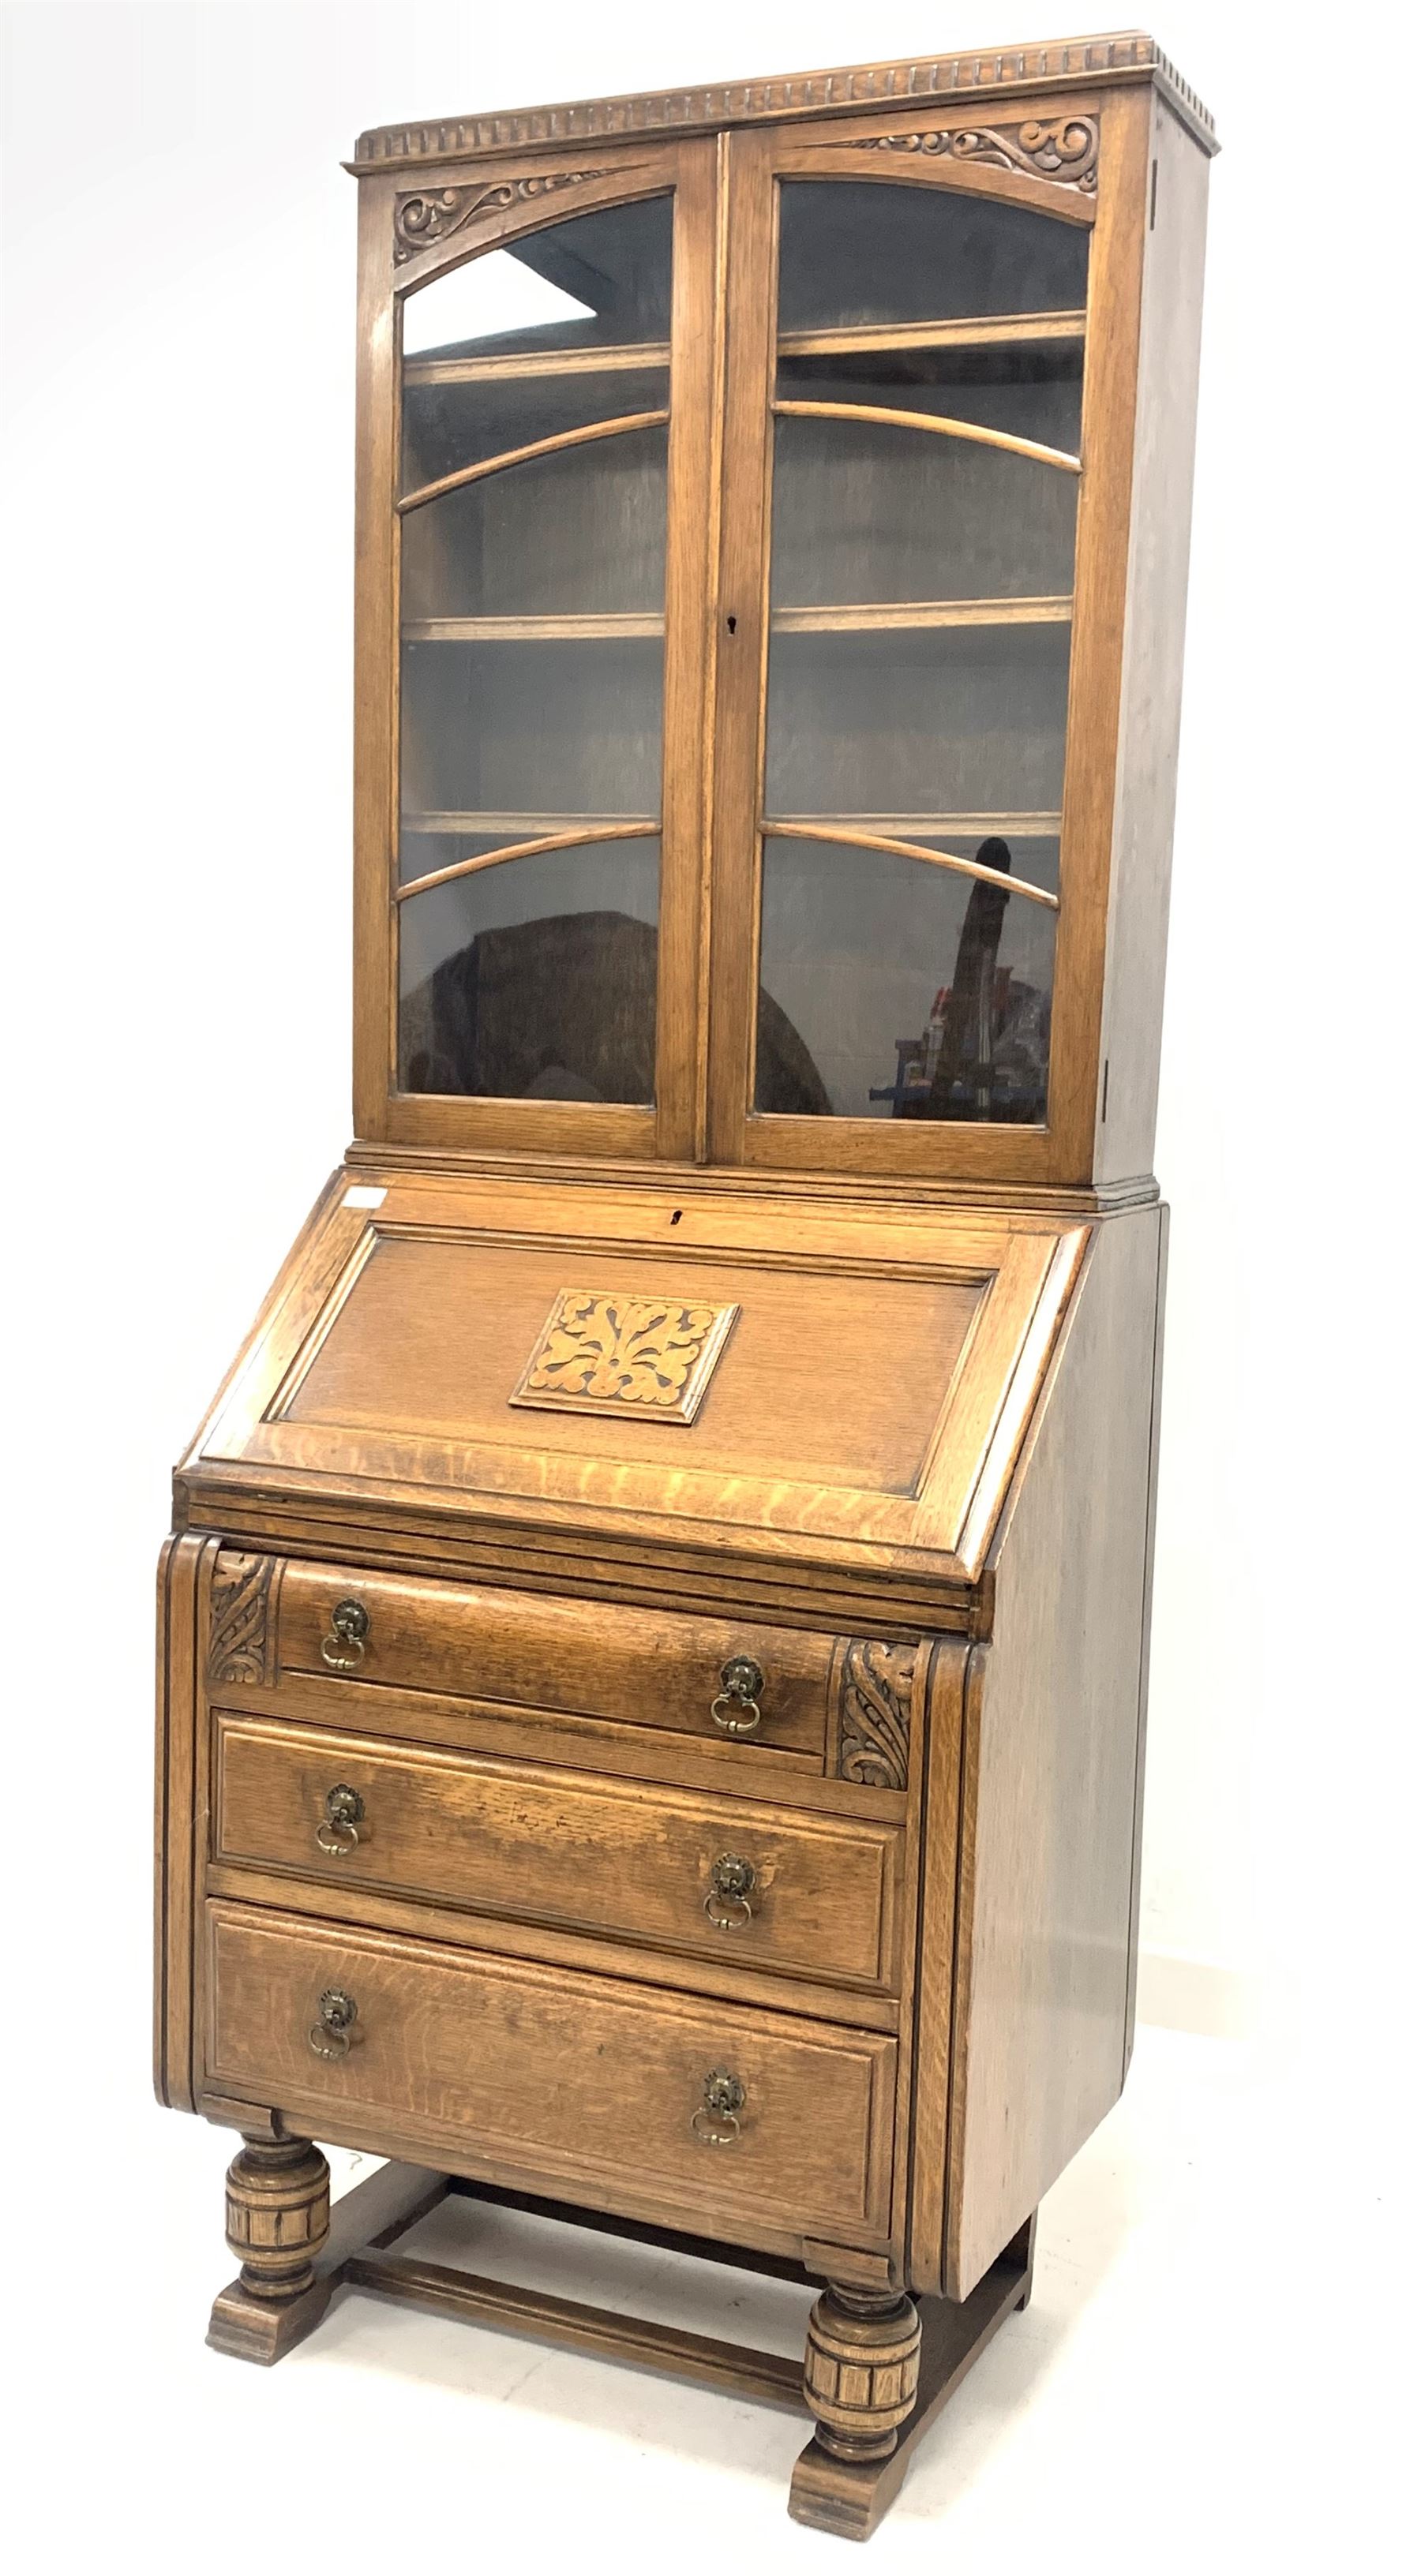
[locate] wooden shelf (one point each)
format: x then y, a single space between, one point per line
935 827
880 616
517 827
620 624
871 617
904 827
536 362
977 331
980 331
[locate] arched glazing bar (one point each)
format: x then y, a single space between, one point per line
909 850
894 419
524 455
636 830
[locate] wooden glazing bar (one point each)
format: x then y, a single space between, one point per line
615 625
764 2376
520 365
522 850
909 850
972 430
883 616
982 331
537 447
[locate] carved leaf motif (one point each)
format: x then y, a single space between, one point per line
635 1349
875 1696
1065 149
430 215
241 1599
604 1353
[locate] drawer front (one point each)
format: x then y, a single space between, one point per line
615 1856
638 1667
555 2076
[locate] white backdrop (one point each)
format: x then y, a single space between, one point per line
179 284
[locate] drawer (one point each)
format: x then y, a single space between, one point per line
525 1650
558 2078
520 1839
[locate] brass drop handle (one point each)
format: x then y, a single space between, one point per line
732 1884
716 2118
736 1706
330 2036
344 1648
339 1829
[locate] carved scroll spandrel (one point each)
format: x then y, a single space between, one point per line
242 1638
873 1694
1065 149
428 215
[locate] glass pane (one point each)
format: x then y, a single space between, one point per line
579 531
599 279
921 598
853 254
865 512
927 723
917 992
519 728
535 980
531 662
461 423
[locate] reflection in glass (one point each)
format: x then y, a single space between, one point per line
535 980
494 297
919 993
592 281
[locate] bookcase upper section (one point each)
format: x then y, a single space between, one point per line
772 553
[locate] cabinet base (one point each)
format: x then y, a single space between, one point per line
845 2495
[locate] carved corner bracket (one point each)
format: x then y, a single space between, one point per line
425 216
1064 149
242 1637
871 1703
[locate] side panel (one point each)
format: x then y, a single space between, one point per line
1154 652
183 1583
1050 1749
934 1822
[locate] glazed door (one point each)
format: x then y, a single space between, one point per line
901 841
533 586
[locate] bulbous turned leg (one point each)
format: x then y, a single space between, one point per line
861 2371
278 2218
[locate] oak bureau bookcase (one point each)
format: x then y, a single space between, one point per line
654 1636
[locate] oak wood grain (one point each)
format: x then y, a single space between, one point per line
563 2076
1044 1924
510 1839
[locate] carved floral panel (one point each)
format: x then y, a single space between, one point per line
603 1353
